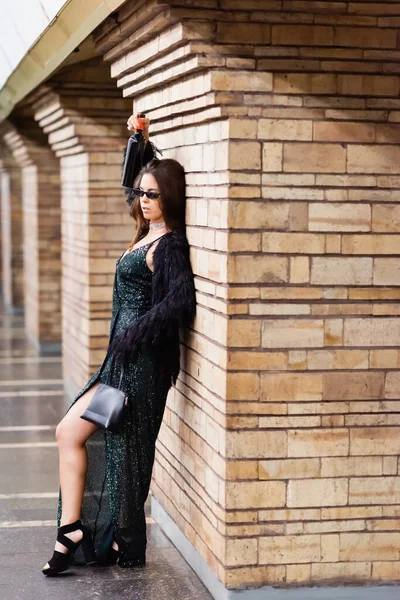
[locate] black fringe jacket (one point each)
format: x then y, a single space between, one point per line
173 306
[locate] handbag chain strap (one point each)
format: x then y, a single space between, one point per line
112 370
120 379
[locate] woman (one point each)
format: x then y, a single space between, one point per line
105 477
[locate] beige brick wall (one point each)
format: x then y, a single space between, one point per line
278 455
326 307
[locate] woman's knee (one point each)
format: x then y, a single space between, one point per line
68 434
63 432
72 431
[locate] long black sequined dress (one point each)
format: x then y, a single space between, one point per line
120 464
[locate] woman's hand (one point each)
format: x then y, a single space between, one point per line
133 125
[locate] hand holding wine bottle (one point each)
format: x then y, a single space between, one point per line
138 152
139 122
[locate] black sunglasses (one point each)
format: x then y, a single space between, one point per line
141 193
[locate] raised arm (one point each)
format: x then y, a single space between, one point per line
139 154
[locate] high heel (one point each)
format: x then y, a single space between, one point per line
88 548
105 553
113 557
108 557
60 561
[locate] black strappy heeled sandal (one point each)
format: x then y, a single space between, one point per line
108 556
60 561
105 553
113 557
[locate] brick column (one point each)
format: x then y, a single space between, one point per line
277 458
41 230
311 412
81 112
11 233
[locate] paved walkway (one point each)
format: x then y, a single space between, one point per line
32 402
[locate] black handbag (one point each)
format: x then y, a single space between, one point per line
106 408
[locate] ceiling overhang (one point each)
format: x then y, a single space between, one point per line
73 24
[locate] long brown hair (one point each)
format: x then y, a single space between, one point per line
171 181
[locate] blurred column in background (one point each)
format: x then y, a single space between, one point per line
11 231
41 231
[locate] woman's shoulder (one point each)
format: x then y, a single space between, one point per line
173 239
172 252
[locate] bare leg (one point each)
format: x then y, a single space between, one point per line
72 433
